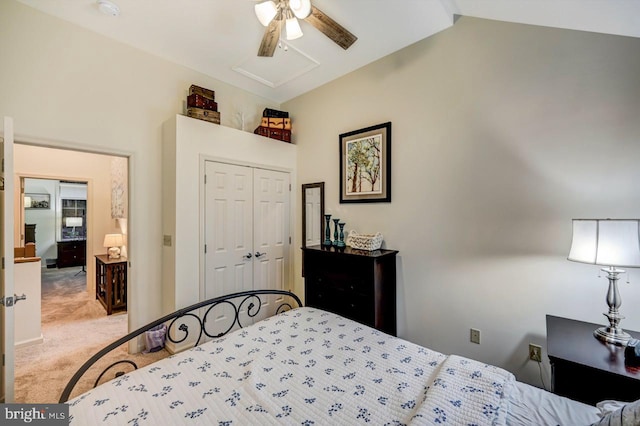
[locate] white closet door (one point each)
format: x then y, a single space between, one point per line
270 234
228 236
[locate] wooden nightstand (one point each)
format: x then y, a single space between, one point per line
584 368
111 282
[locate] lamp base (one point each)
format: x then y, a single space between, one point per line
612 335
114 252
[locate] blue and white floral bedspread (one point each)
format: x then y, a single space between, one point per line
305 367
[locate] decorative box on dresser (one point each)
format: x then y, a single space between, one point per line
357 284
111 282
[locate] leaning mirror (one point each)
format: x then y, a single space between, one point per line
312 213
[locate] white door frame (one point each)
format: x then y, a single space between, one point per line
7 287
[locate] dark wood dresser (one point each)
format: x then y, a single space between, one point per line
357 284
71 253
584 368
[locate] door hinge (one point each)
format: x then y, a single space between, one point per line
205 179
205 249
289 187
3 263
289 240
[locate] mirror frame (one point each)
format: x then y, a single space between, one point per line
306 186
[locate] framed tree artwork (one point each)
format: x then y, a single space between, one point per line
365 165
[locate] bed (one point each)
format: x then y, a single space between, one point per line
311 367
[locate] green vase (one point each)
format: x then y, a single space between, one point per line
327 231
341 240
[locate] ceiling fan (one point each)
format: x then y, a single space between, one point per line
274 13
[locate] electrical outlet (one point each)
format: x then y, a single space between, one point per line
535 352
475 336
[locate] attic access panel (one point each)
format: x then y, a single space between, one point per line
284 66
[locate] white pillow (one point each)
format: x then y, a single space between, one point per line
616 413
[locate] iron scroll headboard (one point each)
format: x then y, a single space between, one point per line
250 300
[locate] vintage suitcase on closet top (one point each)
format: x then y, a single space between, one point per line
279 134
270 112
197 90
199 101
204 114
276 123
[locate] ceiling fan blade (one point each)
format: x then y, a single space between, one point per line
330 28
270 39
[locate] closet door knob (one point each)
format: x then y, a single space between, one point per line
258 254
247 256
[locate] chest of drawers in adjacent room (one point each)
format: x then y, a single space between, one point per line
71 253
356 284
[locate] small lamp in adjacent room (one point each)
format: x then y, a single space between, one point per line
72 222
612 243
113 242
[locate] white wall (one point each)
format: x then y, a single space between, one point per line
67 86
502 133
27 320
44 219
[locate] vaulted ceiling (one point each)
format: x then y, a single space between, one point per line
220 38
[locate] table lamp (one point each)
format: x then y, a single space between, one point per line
113 242
612 243
72 222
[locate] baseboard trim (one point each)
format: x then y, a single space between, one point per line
30 342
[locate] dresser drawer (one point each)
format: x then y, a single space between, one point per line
71 253
355 306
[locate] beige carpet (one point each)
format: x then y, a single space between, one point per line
74 326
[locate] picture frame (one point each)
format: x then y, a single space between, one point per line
365 165
37 201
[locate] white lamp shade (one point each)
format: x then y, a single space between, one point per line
610 242
113 240
300 8
293 29
265 12
72 221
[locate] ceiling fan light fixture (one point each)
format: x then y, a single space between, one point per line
265 12
300 8
108 8
293 29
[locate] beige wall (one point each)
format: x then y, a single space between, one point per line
67 86
41 162
502 133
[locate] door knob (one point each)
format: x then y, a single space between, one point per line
19 298
258 254
247 256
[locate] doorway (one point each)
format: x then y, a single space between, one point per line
78 225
